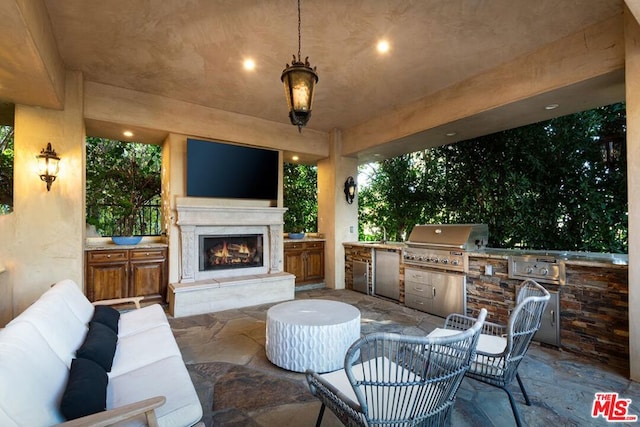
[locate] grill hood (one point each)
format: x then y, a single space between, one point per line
460 236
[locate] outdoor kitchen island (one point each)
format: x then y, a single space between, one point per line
593 301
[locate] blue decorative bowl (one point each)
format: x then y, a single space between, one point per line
296 236
126 240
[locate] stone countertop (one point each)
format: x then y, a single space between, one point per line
105 244
376 245
588 259
594 259
305 239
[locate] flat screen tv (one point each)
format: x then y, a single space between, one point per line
215 169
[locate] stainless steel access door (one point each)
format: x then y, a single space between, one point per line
435 292
361 276
386 274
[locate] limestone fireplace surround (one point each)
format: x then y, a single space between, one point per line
199 292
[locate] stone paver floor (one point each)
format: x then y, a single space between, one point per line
239 387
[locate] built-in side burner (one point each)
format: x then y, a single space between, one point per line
541 268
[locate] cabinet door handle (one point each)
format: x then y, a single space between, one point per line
434 292
553 318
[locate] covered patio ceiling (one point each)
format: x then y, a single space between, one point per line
193 51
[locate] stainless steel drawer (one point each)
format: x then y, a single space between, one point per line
422 303
418 289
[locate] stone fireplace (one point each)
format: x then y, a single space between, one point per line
230 257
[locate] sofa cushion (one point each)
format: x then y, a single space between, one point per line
86 390
62 330
99 345
143 348
73 298
106 315
32 378
135 321
167 377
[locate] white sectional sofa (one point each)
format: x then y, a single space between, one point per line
38 346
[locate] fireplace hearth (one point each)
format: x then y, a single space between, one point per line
230 252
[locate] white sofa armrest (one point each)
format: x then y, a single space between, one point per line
116 415
127 300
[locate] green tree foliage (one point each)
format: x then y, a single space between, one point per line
399 188
542 186
300 198
6 169
122 178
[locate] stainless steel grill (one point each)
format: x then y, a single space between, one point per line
436 263
444 246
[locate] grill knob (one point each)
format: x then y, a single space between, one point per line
444 261
529 270
544 271
455 262
434 259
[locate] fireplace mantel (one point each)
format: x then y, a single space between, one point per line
198 216
205 212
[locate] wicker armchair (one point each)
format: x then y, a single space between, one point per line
501 348
399 380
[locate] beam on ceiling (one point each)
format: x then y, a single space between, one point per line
596 51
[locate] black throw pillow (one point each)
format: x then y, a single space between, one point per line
99 345
86 391
106 315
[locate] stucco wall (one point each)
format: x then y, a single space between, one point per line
337 220
43 239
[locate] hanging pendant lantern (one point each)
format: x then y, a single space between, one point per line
299 83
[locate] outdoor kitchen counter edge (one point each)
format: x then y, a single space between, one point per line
112 246
305 239
389 245
582 259
585 260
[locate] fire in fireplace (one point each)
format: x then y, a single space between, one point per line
230 251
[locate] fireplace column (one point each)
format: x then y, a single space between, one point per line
188 256
277 248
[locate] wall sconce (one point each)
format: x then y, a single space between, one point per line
350 189
48 165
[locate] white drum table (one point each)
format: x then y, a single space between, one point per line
311 334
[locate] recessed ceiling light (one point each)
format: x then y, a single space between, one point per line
127 133
249 64
551 106
383 46
295 158
451 134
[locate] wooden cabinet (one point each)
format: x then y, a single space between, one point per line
305 260
126 273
